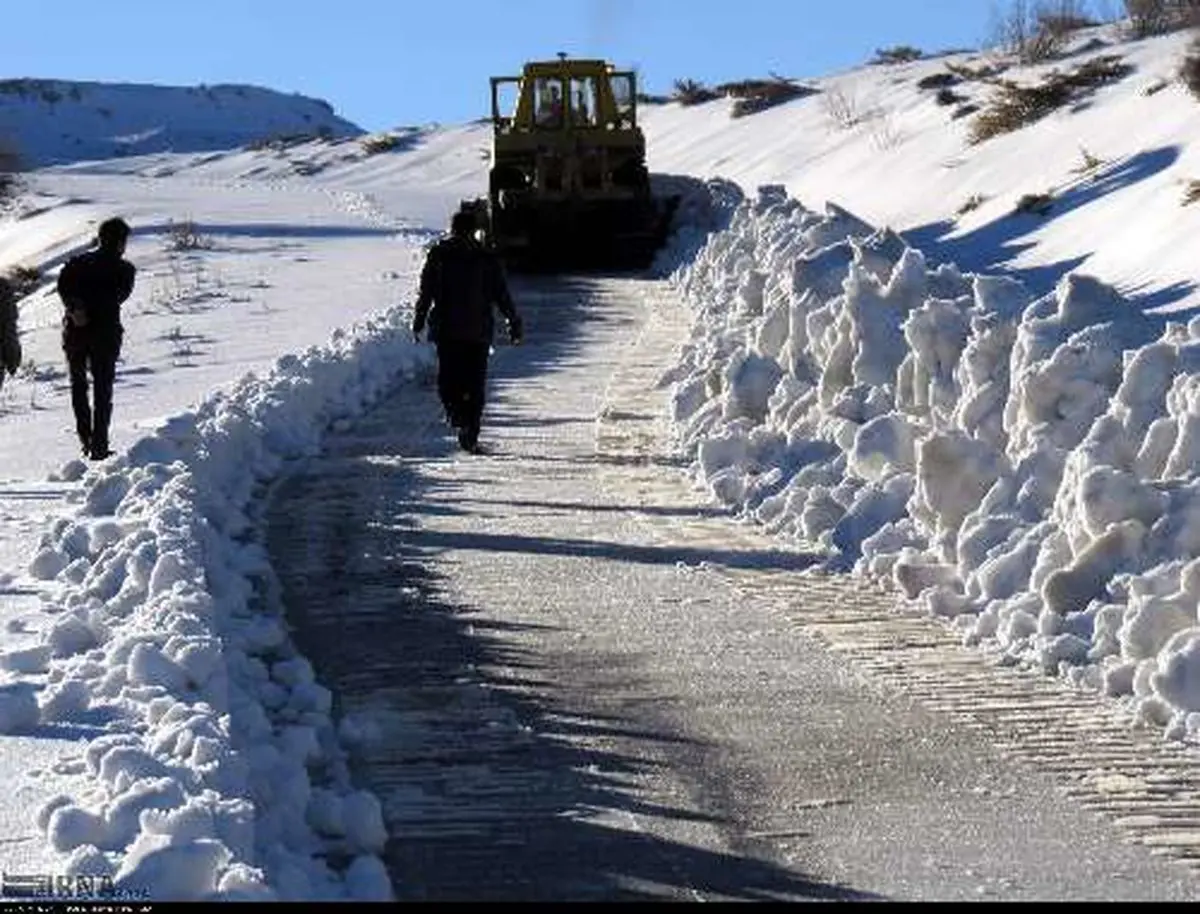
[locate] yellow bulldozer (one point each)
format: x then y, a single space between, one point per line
568 184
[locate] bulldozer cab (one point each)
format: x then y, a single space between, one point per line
568 178
564 95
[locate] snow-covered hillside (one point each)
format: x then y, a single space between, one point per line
50 121
876 142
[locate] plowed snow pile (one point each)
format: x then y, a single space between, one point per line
1026 467
225 777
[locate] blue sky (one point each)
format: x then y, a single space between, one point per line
385 63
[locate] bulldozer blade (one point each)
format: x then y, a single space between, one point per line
625 235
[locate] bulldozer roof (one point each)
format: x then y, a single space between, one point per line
567 67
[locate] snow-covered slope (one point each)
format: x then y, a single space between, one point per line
53 121
876 143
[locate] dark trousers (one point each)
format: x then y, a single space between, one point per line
462 382
99 358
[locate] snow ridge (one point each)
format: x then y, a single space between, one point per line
1026 468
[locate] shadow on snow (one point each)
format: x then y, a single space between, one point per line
992 248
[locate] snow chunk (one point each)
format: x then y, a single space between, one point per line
70 635
123 814
172 872
70 826
1177 679
47 563
363 819
27 660
367 880
88 860
66 700
1072 588
240 882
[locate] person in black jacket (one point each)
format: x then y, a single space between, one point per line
93 286
460 284
10 340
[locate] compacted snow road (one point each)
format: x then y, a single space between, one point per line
573 680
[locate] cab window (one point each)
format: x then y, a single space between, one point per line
549 108
583 102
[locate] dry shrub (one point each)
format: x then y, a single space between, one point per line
971 204
1035 31
1087 162
883 130
1098 71
186 236
381 142
691 92
281 142
901 53
984 71
1157 17
1016 106
841 107
939 81
750 95
23 280
1189 69
1062 17
1037 204
1042 46
1016 31
1191 192
753 95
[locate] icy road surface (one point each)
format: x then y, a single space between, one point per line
575 681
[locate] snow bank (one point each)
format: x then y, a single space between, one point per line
704 207
220 769
1027 468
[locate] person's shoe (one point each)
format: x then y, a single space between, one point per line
100 453
468 441
85 444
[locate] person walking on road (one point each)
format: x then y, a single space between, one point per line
93 286
460 284
10 342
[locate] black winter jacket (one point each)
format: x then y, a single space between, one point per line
98 282
460 283
10 342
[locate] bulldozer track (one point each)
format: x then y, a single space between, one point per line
1146 786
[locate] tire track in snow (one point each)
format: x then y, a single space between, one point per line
1145 786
